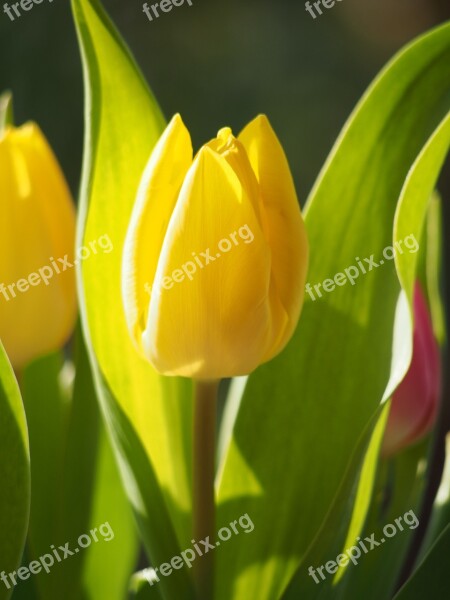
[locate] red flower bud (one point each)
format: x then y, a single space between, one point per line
415 402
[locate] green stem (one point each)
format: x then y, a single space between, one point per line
204 454
6 111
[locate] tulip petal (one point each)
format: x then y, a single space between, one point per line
215 307
232 150
415 403
157 195
282 221
36 206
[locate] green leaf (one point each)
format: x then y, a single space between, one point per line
430 580
301 416
93 497
434 268
46 416
366 483
149 417
398 490
440 516
405 495
75 487
345 520
27 589
14 474
429 270
415 198
108 565
410 219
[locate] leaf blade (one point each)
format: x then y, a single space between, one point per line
155 412
14 472
359 186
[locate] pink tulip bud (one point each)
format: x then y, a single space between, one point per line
415 402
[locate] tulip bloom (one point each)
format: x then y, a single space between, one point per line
37 226
216 254
415 402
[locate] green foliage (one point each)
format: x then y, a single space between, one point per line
75 485
14 473
149 416
306 411
431 577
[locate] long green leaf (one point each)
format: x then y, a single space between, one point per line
74 486
364 579
430 267
93 496
440 517
415 197
431 577
346 516
289 455
47 414
108 565
399 490
149 417
14 474
408 482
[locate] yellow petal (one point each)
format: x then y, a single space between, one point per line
211 318
282 221
37 227
158 192
231 149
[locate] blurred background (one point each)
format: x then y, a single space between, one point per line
218 63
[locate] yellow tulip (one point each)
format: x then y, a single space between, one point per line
37 230
216 254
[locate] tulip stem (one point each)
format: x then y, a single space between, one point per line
6 111
204 454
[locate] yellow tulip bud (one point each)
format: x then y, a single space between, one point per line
37 231
216 254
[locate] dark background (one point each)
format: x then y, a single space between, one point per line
219 62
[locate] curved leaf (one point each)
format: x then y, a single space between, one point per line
353 345
149 417
74 485
14 474
430 580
